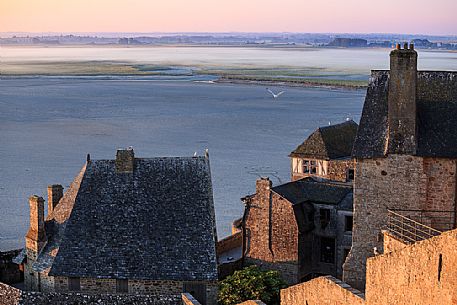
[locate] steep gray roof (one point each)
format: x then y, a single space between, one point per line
156 223
329 142
436 102
312 190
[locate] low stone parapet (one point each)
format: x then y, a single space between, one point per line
324 290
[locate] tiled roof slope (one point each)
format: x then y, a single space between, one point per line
329 142
436 102
156 223
309 189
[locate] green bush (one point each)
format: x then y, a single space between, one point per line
251 283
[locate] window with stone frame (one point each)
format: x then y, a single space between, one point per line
310 167
74 284
122 286
348 220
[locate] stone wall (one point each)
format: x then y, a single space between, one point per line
321 291
391 243
13 296
272 233
423 273
338 169
395 182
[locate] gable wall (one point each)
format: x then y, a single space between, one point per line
272 234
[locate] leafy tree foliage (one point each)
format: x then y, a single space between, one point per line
251 283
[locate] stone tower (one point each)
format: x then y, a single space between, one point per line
400 165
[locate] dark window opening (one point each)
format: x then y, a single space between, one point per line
348 223
122 286
305 166
197 290
345 254
74 284
440 266
327 250
324 217
350 174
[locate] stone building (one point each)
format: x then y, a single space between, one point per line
127 226
326 153
406 154
301 228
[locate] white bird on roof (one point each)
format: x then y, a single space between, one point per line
275 95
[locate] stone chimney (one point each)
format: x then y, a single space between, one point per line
402 101
263 184
36 236
55 193
125 160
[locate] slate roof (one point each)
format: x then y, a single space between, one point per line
156 223
318 191
329 142
436 103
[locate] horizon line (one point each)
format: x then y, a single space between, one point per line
223 32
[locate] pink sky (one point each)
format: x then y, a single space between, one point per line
360 16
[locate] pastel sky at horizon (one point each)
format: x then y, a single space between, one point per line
342 16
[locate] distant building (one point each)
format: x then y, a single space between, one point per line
326 153
302 228
127 226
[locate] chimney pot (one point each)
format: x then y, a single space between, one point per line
405 46
125 160
398 46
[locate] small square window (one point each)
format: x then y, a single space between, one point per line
306 166
122 286
74 284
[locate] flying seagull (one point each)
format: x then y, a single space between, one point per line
275 95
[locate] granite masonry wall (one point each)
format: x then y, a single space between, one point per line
324 290
394 182
272 233
12 296
423 273
172 289
338 169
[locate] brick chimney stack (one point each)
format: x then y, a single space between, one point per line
402 101
55 193
125 160
36 236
